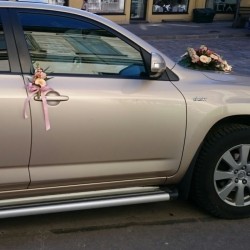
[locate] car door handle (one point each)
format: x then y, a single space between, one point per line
60 98
53 98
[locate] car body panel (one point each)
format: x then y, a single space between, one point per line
104 120
215 97
108 121
15 134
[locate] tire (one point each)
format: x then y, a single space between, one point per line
221 179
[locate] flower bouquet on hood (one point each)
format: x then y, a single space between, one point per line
204 59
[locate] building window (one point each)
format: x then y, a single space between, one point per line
105 6
170 6
222 6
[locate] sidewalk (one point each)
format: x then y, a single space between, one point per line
186 30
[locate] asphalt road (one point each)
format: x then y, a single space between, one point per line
166 225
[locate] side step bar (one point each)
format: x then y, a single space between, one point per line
87 203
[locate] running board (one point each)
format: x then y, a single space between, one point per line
87 203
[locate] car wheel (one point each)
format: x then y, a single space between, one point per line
221 180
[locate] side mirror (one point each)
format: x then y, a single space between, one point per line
158 65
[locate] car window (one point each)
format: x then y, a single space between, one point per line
4 61
71 46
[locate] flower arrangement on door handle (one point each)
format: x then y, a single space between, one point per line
38 87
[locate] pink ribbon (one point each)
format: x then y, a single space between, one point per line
33 90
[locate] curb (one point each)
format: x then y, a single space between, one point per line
206 36
181 37
178 31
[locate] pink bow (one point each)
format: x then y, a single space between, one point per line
33 90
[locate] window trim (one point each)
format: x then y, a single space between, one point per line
13 58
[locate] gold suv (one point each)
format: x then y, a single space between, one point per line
93 116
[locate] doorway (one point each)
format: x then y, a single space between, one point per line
138 10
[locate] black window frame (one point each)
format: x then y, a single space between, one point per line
13 57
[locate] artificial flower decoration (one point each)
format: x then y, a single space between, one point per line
38 87
39 77
204 59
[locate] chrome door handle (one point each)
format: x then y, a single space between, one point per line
59 98
52 97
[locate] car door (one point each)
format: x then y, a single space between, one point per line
15 131
108 120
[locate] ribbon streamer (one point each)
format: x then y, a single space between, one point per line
32 91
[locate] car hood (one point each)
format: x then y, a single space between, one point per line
209 78
227 77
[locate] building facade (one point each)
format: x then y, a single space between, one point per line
126 11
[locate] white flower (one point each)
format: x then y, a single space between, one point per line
226 66
205 59
203 48
191 52
195 59
214 56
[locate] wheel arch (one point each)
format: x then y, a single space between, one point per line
184 186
